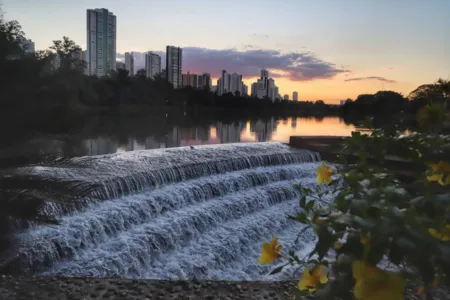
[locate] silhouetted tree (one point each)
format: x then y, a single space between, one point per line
66 49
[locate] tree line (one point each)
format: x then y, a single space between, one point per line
31 85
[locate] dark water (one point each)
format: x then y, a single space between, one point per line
104 135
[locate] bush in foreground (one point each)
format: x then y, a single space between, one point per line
381 231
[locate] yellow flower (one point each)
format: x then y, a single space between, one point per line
443 235
440 171
421 288
338 245
373 283
270 252
418 152
311 280
441 167
435 281
320 220
364 239
324 173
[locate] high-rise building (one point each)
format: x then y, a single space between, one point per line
229 83
190 80
204 81
223 83
26 45
120 65
244 91
286 97
129 63
264 73
152 64
101 42
265 87
295 96
236 83
174 62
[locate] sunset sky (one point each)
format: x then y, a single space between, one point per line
328 50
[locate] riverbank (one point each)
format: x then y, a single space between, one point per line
65 288
69 288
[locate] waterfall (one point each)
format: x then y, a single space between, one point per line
176 213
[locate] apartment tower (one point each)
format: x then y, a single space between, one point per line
101 42
174 62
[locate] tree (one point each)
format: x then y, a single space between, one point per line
443 86
141 73
10 31
66 49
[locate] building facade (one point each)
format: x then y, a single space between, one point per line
295 96
244 91
129 63
101 42
204 81
190 80
120 65
229 83
174 62
265 87
264 73
286 97
26 45
152 65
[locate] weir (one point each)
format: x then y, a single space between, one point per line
178 213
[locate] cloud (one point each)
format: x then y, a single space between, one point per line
371 78
297 66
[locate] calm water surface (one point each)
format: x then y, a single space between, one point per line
220 133
110 135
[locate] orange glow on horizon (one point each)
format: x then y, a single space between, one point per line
333 90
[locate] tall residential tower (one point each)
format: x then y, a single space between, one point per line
101 42
152 65
129 63
174 62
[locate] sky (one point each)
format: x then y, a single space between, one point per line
325 49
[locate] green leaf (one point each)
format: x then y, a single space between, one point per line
300 217
364 223
277 270
310 205
405 243
335 181
303 201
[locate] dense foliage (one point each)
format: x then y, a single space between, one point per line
385 227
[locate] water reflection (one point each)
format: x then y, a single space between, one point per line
235 132
107 135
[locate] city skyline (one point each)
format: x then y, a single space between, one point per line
325 50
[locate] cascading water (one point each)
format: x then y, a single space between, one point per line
176 213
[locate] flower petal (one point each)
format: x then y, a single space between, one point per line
273 243
323 278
